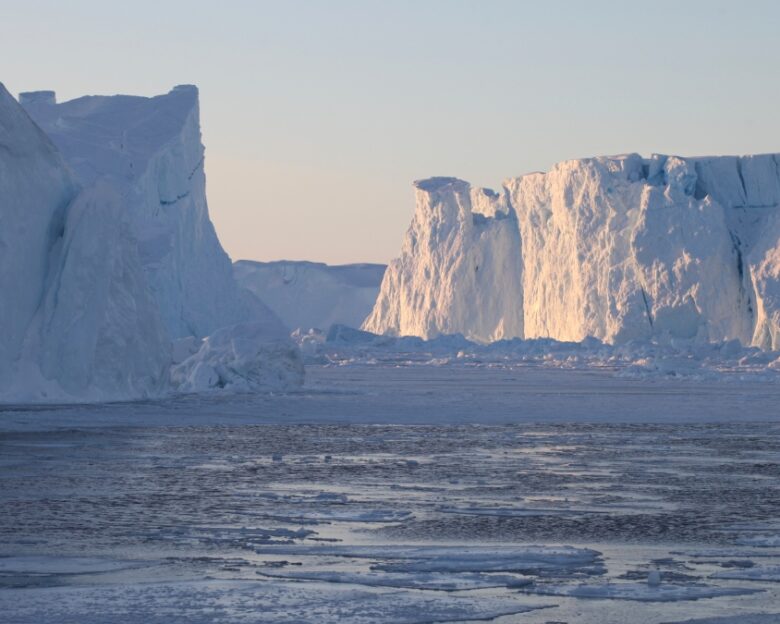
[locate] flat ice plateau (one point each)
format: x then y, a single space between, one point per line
395 492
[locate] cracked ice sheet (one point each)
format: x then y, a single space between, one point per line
223 602
640 591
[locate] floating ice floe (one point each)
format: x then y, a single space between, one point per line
435 581
408 559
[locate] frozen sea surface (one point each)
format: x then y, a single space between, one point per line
399 494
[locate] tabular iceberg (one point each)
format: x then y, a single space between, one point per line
309 295
619 248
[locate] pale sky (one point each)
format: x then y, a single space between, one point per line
317 116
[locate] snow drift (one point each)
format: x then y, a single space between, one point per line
309 295
619 248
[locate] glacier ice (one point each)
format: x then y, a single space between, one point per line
618 248
79 321
107 253
309 295
149 149
460 268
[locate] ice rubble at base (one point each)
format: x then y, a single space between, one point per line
617 248
666 359
98 272
309 295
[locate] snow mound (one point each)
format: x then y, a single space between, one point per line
310 294
618 248
149 150
242 358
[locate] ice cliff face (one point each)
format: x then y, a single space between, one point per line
149 150
78 319
619 248
460 268
101 268
310 294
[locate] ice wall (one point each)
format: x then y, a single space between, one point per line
36 189
459 270
619 248
149 150
79 322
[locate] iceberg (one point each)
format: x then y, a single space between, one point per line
313 295
108 255
149 150
460 268
619 248
79 319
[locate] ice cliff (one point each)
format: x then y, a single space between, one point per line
107 254
78 319
311 294
619 248
149 150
